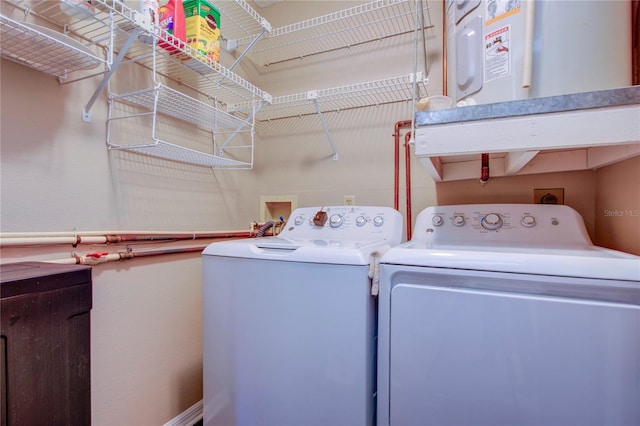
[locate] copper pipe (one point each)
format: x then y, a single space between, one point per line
396 162
407 163
444 48
160 252
97 258
174 237
484 169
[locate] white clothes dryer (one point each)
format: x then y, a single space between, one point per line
507 315
289 321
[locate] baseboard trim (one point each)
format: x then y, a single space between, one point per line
188 417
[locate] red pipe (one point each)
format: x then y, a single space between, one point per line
445 80
120 238
396 171
396 163
160 252
99 257
484 169
407 166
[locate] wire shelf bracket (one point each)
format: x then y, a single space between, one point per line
233 44
314 98
86 115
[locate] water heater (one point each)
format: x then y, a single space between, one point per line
503 50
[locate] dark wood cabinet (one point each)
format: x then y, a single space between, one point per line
45 323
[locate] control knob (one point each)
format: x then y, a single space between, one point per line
491 221
458 220
437 220
378 220
528 221
335 220
361 221
299 220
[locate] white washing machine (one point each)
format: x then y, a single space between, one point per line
289 321
507 315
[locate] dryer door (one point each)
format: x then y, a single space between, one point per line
466 356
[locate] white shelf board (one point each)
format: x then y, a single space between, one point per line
469 166
591 127
560 133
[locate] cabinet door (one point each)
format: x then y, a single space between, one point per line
46 349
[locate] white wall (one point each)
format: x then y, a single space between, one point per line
293 156
57 175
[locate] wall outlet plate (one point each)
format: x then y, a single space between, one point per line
548 196
349 200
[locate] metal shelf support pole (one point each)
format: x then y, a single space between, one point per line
250 46
86 115
324 127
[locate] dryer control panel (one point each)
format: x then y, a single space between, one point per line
361 223
501 223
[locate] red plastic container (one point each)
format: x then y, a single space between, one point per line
171 19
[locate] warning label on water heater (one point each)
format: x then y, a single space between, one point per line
497 57
500 9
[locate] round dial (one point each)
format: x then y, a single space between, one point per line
335 220
437 220
528 221
361 221
458 220
378 220
299 220
491 221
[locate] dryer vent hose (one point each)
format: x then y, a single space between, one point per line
264 228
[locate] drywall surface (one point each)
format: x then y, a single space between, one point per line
147 345
617 211
57 175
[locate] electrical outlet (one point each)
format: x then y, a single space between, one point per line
349 200
548 196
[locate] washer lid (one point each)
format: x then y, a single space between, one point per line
324 251
585 261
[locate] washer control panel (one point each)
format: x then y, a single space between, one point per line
364 223
508 223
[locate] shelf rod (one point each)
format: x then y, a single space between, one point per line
85 112
326 130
